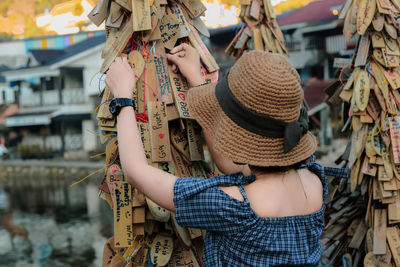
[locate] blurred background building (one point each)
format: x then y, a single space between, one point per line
55 99
47 93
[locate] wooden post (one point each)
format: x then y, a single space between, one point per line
60 85
62 135
43 87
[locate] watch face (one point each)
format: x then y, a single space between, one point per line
113 107
117 103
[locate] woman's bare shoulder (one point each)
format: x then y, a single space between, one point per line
232 191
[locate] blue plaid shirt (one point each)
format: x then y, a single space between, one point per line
237 236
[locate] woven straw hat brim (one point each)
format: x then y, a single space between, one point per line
238 144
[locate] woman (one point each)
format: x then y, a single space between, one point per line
252 120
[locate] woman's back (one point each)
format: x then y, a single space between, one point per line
296 192
266 225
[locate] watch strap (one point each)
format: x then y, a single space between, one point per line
123 102
118 103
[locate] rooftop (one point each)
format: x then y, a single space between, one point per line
314 11
314 93
43 56
55 56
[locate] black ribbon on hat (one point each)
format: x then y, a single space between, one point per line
258 123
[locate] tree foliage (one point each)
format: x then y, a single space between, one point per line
18 17
290 5
4 5
227 2
35 6
42 5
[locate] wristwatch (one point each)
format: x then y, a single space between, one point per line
117 104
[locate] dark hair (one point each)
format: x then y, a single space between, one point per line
272 169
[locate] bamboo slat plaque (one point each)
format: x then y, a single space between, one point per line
379 246
394 123
394 243
205 55
123 235
260 26
159 134
141 18
194 140
169 29
179 89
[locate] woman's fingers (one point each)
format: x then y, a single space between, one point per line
181 53
174 68
178 48
175 58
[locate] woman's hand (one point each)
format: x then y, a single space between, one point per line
121 78
185 58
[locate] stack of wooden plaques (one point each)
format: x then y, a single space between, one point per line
260 30
144 31
364 212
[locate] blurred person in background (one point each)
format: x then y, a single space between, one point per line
3 149
12 144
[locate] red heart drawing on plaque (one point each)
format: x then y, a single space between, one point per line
182 96
161 136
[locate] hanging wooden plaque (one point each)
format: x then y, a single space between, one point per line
126 4
169 29
393 239
181 232
378 22
372 260
195 7
183 257
365 15
394 124
145 136
362 90
180 89
141 17
161 65
99 12
377 40
123 235
136 61
205 55
179 163
379 245
159 134
122 38
179 141
363 51
194 140
350 22
161 250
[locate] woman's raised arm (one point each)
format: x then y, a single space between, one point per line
154 183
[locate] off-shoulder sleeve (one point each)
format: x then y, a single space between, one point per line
201 204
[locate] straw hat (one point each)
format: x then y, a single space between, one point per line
253 115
